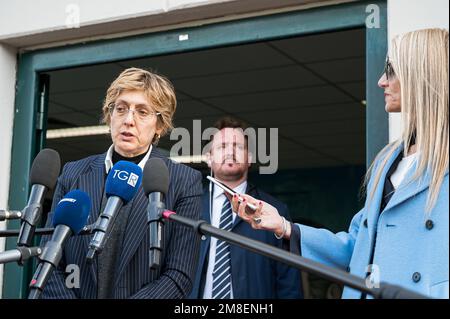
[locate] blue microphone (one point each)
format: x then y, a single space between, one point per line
122 184
69 218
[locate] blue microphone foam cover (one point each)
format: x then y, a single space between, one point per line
73 210
123 180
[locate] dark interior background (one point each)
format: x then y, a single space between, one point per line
311 88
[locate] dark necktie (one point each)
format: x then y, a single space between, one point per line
221 288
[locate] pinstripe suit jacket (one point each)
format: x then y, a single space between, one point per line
133 277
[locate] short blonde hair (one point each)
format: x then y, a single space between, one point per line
157 88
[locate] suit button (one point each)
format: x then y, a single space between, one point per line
429 224
416 277
365 223
348 269
203 237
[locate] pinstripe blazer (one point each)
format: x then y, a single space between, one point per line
133 277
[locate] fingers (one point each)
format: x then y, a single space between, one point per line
257 220
259 208
235 203
229 197
237 199
241 209
250 199
254 219
264 217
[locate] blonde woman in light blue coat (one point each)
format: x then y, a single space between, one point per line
401 236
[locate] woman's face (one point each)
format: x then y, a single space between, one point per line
133 123
391 85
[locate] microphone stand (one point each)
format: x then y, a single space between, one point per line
87 230
154 221
386 291
20 254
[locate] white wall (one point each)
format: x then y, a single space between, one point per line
36 24
49 15
7 83
410 15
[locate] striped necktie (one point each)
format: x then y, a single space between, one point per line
221 287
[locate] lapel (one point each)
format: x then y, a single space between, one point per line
93 184
409 188
136 224
206 204
134 231
373 209
206 216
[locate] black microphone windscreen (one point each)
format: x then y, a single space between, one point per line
156 176
45 169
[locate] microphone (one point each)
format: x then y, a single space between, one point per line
70 217
122 184
156 185
10 214
43 176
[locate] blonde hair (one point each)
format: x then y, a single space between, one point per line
420 62
157 88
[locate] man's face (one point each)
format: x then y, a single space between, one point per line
133 123
229 155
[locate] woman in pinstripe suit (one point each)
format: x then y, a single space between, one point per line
138 108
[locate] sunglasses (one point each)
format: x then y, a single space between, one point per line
388 69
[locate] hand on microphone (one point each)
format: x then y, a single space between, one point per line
266 216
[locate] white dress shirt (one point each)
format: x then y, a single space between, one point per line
402 169
217 204
109 163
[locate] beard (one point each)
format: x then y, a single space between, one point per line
225 173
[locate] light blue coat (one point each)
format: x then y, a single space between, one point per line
407 253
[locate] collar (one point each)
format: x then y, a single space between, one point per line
109 163
241 188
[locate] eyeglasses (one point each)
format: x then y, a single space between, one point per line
121 111
388 69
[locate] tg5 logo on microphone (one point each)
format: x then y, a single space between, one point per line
131 178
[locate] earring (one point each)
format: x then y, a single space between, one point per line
156 139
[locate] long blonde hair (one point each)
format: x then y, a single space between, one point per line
420 62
